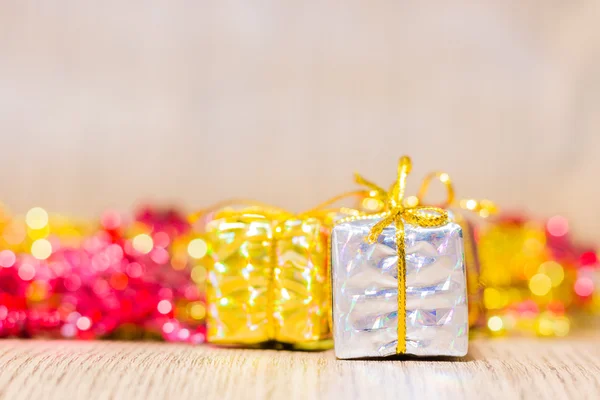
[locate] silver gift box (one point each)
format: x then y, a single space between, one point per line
365 290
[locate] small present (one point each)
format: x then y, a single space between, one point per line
269 278
376 199
399 281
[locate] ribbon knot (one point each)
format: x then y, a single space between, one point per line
398 213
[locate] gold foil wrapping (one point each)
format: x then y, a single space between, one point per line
268 280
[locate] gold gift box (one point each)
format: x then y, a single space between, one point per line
268 279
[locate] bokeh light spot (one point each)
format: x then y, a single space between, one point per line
493 299
554 271
111 220
178 263
168 327
143 243
7 258
134 270
68 330
197 248
545 326
164 306
84 323
588 258
119 281
540 284
584 286
160 255
198 274
372 204
38 290
562 326
495 324
184 334
36 218
471 204
411 201
558 226
197 311
161 239
26 272
41 249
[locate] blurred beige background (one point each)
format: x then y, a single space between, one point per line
105 103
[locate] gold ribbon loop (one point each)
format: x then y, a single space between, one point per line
444 178
425 216
484 208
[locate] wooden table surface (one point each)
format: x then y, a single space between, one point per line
516 368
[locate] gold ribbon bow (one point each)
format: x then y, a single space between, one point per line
375 198
397 213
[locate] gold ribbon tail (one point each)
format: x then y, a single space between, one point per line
375 190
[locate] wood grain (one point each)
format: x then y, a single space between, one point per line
495 369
